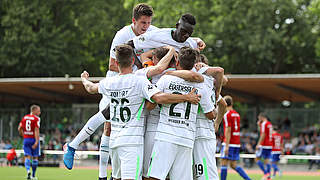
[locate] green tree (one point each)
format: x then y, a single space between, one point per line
54 38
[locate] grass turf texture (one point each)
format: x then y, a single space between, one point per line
17 173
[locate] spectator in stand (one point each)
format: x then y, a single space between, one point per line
2 144
317 162
8 145
286 124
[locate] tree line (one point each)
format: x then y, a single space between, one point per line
57 37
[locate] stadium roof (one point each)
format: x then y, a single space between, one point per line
253 88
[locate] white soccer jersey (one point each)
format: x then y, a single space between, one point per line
161 37
205 127
154 114
127 94
177 122
123 36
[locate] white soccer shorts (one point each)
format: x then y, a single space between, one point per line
205 166
170 158
126 162
148 146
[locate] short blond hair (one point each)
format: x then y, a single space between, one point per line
33 107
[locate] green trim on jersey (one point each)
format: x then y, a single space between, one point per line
138 168
140 110
149 171
205 168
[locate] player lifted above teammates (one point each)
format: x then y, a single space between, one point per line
172 151
231 142
29 129
127 92
264 145
177 38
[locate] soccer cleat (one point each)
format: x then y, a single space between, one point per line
34 178
68 156
266 177
29 176
104 178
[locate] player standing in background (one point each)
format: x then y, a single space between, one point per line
29 129
128 93
264 145
231 143
277 147
172 151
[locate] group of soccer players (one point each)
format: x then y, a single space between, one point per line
160 120
161 107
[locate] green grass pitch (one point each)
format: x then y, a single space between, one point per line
19 173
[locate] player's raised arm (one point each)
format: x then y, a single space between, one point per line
187 75
162 64
91 87
217 73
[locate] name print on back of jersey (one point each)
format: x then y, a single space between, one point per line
178 87
118 94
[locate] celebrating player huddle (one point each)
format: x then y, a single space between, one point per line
161 119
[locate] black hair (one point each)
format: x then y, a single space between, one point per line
189 18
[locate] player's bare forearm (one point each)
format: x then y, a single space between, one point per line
201 44
222 106
165 98
261 139
228 135
37 137
162 64
187 75
147 56
211 115
150 105
217 73
20 130
90 87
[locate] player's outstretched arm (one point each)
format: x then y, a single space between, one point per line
91 87
187 75
165 98
162 64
